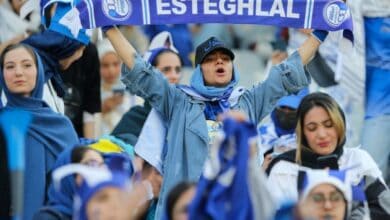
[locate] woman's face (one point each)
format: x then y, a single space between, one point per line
323 202
180 211
217 68
110 67
108 203
20 71
320 132
169 64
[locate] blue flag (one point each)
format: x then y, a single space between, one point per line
329 15
223 191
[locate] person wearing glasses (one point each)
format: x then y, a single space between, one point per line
324 196
321 138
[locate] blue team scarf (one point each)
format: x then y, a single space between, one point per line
215 98
329 15
223 191
211 92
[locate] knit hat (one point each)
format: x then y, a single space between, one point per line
94 180
337 178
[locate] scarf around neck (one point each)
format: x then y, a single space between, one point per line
216 98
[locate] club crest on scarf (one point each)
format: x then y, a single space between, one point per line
335 13
117 9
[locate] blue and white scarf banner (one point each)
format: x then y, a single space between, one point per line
331 15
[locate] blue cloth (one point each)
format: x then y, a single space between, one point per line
187 133
223 191
218 95
48 135
377 67
181 36
291 101
62 200
64 24
211 92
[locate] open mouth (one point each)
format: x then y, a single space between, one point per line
220 71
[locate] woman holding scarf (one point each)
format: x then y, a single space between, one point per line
191 112
22 78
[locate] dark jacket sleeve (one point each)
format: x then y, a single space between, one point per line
378 198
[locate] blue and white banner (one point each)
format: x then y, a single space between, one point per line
329 15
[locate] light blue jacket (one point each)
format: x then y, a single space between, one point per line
187 137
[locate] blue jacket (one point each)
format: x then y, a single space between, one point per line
187 137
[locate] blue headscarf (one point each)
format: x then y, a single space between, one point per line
217 93
48 135
218 96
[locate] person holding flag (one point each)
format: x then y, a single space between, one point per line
191 112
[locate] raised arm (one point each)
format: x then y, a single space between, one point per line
122 46
308 49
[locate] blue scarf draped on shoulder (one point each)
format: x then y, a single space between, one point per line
216 98
49 134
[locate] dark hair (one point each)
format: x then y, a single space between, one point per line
11 47
78 153
175 194
336 114
157 57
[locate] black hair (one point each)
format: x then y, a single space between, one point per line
11 47
156 58
78 153
175 194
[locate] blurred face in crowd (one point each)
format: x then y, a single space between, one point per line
110 67
66 62
170 65
180 209
286 116
320 132
20 71
108 204
324 202
90 158
217 68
